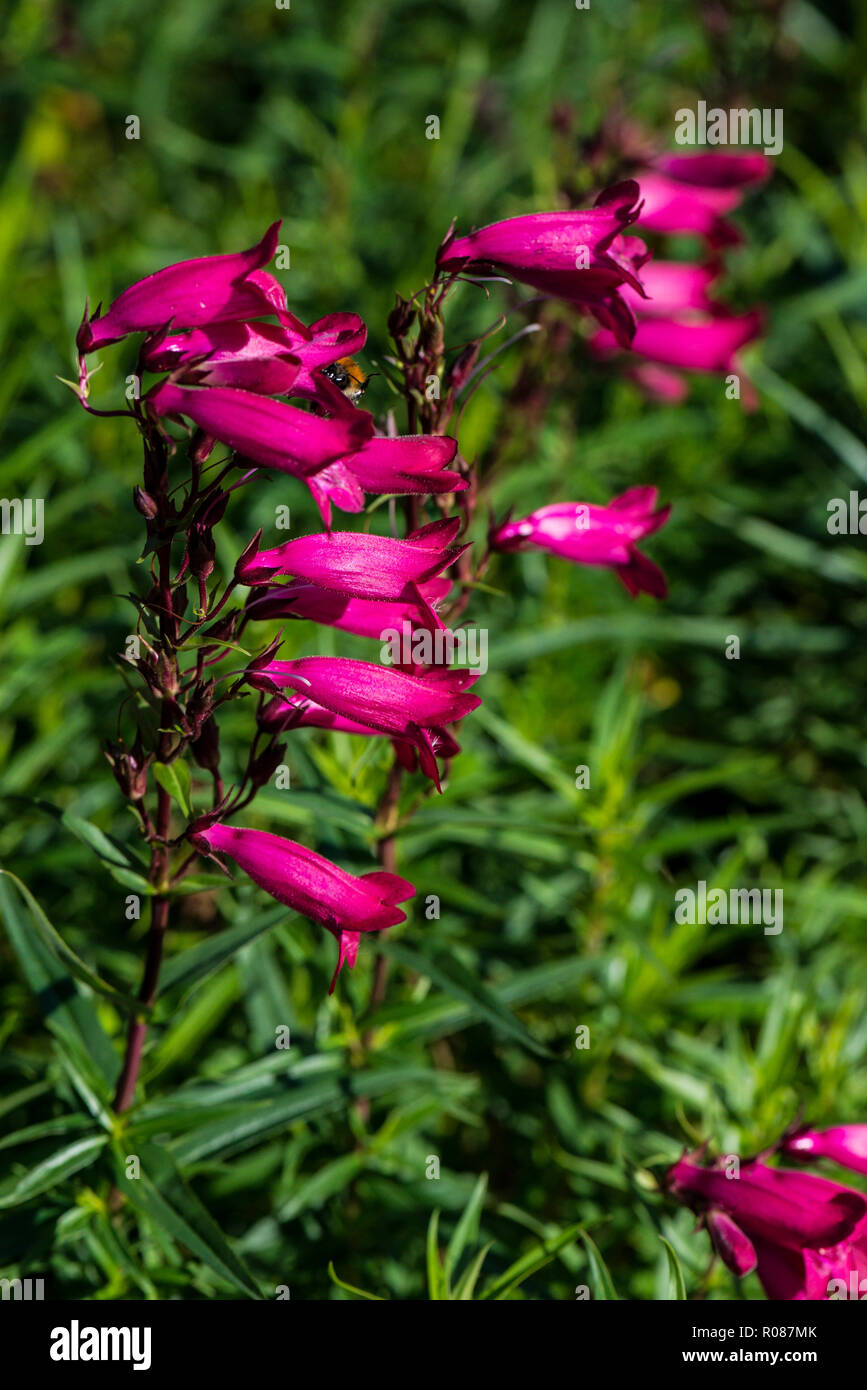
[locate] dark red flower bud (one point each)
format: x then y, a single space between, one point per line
206 747
243 562
462 366
262 769
401 318
144 503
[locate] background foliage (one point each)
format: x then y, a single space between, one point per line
262 1166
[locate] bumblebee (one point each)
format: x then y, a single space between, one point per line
347 377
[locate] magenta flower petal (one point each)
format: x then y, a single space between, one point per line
661 382
412 463
799 1275
191 293
269 432
361 566
590 535
734 1248
336 335
787 1208
405 707
843 1144
300 713
673 287
674 207
250 356
336 485
548 241
578 256
312 885
695 345
723 170
364 617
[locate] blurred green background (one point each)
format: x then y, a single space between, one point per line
556 904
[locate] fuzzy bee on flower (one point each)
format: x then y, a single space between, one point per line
348 377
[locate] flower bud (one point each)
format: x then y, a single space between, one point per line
144 503
401 318
206 747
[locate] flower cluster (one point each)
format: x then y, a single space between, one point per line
681 327
256 389
804 1235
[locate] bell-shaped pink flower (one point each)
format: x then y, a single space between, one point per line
674 287
317 346
270 359
797 1230
298 712
271 433
694 193
579 256
407 463
404 707
591 535
843 1144
205 290
359 565
364 617
306 881
249 356
694 345
411 463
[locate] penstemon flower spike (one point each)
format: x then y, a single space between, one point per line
241 371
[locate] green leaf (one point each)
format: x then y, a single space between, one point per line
52 939
467 1229
466 1285
248 1124
675 1271
174 778
122 864
351 1288
197 962
162 1195
62 1164
447 972
534 1260
327 1182
69 1013
63 1124
603 1287
435 1273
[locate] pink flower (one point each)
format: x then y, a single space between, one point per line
796 1230
206 290
249 356
579 256
590 535
674 287
331 337
710 345
300 713
270 359
271 433
364 617
409 708
681 326
411 463
693 193
843 1144
304 880
361 566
